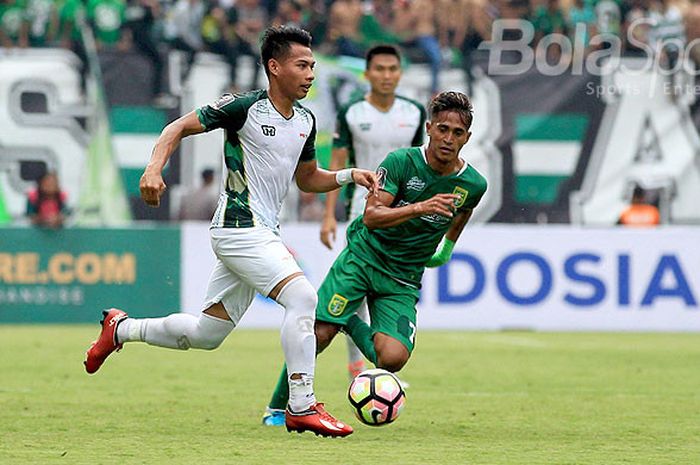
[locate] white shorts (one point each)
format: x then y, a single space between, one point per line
248 260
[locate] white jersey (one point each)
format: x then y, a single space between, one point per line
261 150
370 134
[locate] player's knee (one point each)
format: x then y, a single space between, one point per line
325 332
210 332
309 297
299 296
392 355
393 361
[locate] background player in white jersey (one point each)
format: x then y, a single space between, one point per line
269 139
367 129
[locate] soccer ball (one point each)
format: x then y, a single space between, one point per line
376 397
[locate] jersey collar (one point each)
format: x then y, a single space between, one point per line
424 152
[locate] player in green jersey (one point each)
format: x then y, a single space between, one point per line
427 195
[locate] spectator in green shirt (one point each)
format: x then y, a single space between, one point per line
107 18
13 27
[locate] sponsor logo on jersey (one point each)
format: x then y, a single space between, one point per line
436 219
337 305
303 135
365 126
415 184
223 101
463 194
268 130
381 177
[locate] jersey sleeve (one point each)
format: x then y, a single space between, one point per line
420 130
342 137
308 152
228 112
390 173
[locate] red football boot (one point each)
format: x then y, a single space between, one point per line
316 420
106 342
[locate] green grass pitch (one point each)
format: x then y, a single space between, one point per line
475 398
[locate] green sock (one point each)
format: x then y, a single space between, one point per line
361 334
280 397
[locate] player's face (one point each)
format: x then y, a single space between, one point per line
383 74
295 72
448 134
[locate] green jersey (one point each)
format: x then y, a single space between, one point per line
11 18
107 17
68 13
403 250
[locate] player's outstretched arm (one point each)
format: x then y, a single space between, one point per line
379 214
152 185
311 178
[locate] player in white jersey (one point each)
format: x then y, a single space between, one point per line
367 129
269 139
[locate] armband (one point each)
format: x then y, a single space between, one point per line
442 254
343 177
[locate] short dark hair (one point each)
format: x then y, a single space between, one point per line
277 41
381 49
452 101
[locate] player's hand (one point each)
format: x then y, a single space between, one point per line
367 179
152 187
441 204
329 226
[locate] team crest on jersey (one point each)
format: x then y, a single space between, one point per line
223 101
337 305
415 184
268 130
463 194
365 126
381 177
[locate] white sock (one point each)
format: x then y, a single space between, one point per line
354 353
301 393
176 331
299 300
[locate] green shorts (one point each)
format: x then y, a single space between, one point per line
392 305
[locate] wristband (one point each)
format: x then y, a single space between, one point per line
343 177
442 254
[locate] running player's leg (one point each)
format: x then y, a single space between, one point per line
260 258
298 297
226 301
356 360
274 413
339 296
180 330
393 328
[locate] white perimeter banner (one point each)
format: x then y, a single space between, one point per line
546 278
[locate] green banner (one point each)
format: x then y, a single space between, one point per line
70 275
103 200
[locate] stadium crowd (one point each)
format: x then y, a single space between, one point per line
438 32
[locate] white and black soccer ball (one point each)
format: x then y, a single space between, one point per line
377 397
